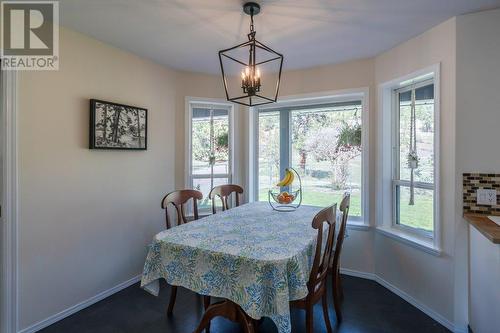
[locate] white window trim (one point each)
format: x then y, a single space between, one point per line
335 96
232 142
9 289
384 193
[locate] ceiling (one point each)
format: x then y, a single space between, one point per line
187 34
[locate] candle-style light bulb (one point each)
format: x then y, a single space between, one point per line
258 73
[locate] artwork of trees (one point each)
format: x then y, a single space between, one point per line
119 126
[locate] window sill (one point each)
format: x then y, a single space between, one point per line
409 239
357 226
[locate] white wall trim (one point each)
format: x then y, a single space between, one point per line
80 306
234 141
9 290
420 243
359 274
425 309
384 204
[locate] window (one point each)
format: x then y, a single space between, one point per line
323 142
414 131
210 158
401 140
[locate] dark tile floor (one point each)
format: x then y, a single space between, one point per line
368 307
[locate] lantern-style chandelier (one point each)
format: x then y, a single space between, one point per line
251 71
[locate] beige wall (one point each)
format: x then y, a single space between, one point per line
86 216
426 278
478 150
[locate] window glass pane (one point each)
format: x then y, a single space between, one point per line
221 142
210 144
204 185
420 215
269 152
422 93
424 113
326 151
203 113
200 142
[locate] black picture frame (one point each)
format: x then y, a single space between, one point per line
113 130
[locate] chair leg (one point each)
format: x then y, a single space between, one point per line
309 319
339 286
228 310
206 304
336 302
325 312
171 304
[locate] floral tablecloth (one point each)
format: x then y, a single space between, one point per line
251 255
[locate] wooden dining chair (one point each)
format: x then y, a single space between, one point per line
337 291
178 199
224 192
316 285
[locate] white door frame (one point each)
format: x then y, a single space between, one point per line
9 287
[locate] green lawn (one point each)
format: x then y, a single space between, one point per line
421 214
418 216
323 199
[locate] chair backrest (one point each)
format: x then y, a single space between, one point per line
178 199
322 255
344 208
223 192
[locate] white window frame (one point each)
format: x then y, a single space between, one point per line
396 181
385 194
9 288
215 103
362 94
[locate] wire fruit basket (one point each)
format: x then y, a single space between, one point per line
284 198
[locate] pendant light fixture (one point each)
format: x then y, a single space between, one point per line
251 71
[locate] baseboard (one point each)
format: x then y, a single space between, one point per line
364 275
359 274
80 306
431 313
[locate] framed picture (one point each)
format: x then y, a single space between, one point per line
117 126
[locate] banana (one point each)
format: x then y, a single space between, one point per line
292 177
287 179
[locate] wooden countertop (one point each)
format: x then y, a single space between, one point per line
485 226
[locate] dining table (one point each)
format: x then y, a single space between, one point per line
255 257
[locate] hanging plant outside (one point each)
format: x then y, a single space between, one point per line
349 136
413 160
223 141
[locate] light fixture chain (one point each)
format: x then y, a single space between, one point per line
251 21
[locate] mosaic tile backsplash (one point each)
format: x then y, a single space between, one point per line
475 181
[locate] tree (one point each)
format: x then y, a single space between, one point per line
269 145
338 147
138 127
303 124
105 123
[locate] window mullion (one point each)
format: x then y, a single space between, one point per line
284 141
212 150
